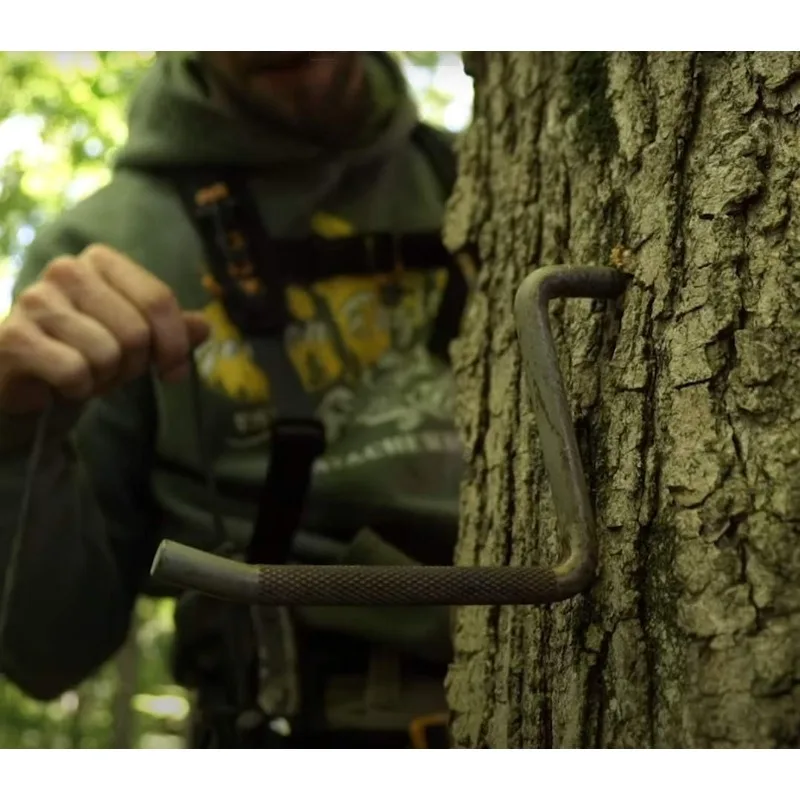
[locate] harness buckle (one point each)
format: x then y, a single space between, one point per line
429 731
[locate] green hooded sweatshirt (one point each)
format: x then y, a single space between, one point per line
130 472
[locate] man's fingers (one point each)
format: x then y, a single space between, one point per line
32 355
97 299
152 298
55 316
92 323
197 327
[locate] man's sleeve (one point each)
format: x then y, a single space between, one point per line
90 535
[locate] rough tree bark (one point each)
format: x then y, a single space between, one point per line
683 168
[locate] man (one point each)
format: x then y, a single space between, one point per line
111 304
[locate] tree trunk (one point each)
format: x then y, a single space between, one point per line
681 168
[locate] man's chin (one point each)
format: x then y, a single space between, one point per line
277 62
321 96
310 71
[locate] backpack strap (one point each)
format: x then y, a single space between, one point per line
438 146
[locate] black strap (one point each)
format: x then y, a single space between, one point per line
297 440
238 248
237 245
439 148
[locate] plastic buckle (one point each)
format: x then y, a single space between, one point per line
421 728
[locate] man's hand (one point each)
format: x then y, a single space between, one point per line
88 325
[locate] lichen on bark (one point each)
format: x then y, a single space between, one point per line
683 169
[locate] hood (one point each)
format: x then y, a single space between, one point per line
172 121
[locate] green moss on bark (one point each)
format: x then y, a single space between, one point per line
589 101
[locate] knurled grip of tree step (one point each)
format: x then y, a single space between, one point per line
353 585
404 586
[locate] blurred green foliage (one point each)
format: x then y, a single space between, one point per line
62 115
137 681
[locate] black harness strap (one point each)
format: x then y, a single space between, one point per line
235 241
297 440
439 148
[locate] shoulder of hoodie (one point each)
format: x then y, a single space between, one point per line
135 213
446 141
444 135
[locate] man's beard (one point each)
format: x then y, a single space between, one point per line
334 115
